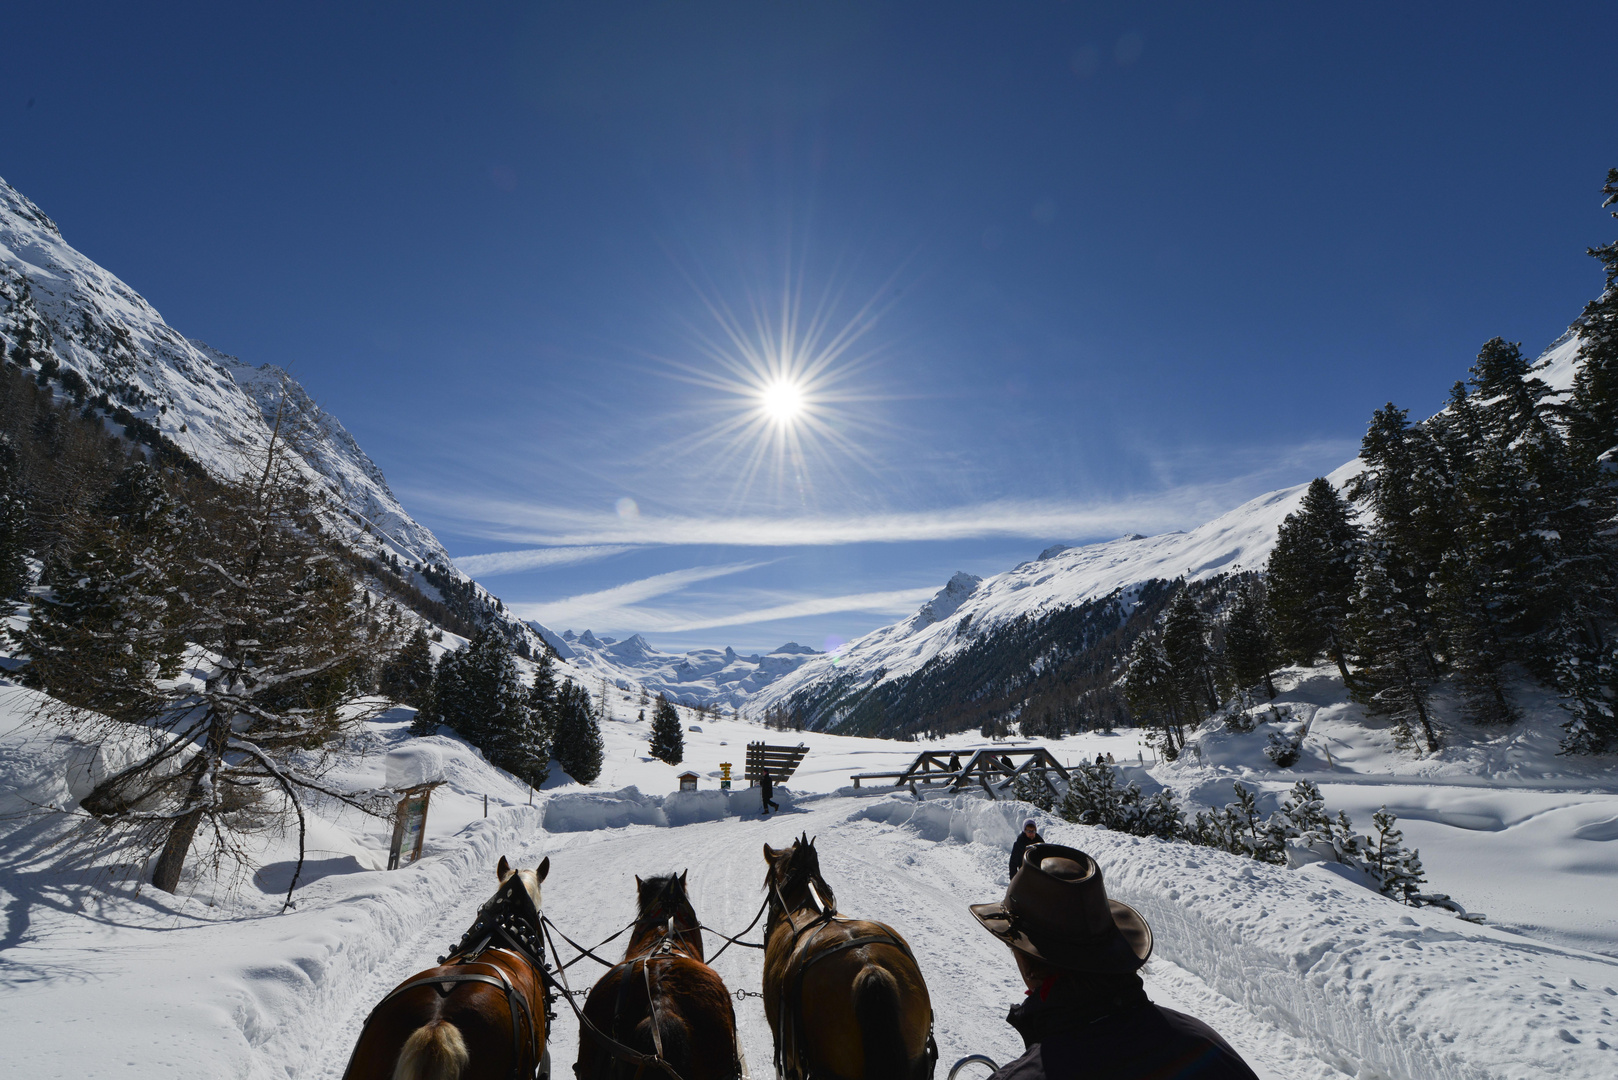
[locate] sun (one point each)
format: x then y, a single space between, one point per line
783 401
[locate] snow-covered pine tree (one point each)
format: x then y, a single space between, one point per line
1185 643
1395 866
408 676
668 741
1249 648
577 740
1152 689
1310 577
104 634
1394 677
479 692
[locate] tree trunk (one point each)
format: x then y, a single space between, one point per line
1269 684
166 875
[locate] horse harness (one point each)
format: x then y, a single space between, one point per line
791 1012
506 921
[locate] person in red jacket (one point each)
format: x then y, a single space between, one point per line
1086 1014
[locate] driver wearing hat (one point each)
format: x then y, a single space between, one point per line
1087 1014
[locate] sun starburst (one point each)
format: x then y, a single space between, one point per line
790 377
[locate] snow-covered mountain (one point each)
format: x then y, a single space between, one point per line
969 608
720 677
214 407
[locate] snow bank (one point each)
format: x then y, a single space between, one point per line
1379 989
417 762
587 810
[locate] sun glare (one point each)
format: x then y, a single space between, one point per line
787 409
782 401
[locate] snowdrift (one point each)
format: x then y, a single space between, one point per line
1386 991
587 810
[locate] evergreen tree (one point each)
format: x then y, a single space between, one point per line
1394 679
408 677
1185 643
1593 406
1408 485
1249 648
479 692
13 528
578 745
1152 688
1310 577
103 636
668 741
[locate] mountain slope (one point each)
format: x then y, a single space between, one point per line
83 328
940 645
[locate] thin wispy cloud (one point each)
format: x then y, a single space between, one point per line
895 602
515 562
609 607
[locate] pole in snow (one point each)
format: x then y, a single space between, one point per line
485 805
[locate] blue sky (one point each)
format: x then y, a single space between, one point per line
1058 272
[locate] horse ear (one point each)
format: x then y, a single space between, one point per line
639 884
770 854
502 871
683 875
544 869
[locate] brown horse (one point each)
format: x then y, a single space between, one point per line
663 1001
844 997
481 1013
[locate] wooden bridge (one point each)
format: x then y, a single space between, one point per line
993 769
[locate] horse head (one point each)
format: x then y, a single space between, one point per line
659 899
794 876
529 879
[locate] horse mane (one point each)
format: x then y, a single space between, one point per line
653 890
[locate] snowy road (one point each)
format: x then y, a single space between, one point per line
921 888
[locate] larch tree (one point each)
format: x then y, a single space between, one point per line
276 632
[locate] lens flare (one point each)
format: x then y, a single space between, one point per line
786 408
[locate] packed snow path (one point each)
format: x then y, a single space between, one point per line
881 872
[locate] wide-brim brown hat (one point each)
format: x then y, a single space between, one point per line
1056 909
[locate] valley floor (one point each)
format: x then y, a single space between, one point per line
1306 973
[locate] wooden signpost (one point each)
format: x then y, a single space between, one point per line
410 825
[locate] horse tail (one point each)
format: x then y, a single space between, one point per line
434 1051
876 1010
676 1040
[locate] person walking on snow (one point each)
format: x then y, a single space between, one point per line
766 790
1086 1014
1029 835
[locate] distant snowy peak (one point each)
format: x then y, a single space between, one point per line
721 677
945 603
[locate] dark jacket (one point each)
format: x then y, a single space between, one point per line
1021 846
1126 1037
766 785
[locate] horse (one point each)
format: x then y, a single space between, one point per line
474 1014
844 997
662 1003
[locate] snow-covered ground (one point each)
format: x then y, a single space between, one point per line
1306 973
